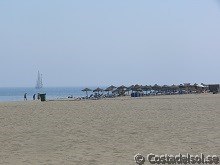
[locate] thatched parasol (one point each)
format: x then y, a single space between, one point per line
146 88
98 90
111 88
156 87
181 86
122 87
86 90
137 88
175 87
131 88
121 90
166 88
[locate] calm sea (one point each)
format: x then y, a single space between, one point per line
17 94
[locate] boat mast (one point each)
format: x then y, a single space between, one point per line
39 83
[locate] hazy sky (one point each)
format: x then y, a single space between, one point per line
104 42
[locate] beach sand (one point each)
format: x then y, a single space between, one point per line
108 131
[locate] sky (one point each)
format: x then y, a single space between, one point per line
109 42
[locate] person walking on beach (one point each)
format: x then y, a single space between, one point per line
25 96
34 96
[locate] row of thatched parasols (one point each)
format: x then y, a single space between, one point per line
98 90
122 89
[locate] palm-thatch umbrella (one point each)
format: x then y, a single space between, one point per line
181 86
156 87
122 87
86 90
130 88
146 88
107 90
165 88
192 87
174 88
196 87
206 87
127 90
121 90
98 90
110 88
137 88
116 91
187 87
200 88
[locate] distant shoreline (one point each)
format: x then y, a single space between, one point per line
8 94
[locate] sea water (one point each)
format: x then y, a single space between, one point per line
17 94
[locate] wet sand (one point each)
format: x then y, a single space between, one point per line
108 131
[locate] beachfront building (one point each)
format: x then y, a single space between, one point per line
214 88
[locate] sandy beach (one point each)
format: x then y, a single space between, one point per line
108 131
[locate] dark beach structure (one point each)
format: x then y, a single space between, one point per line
214 88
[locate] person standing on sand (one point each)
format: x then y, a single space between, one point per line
25 96
38 96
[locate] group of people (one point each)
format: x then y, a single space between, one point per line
34 96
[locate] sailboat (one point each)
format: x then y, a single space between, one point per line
39 83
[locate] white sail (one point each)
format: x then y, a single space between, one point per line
39 83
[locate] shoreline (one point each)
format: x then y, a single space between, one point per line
118 97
